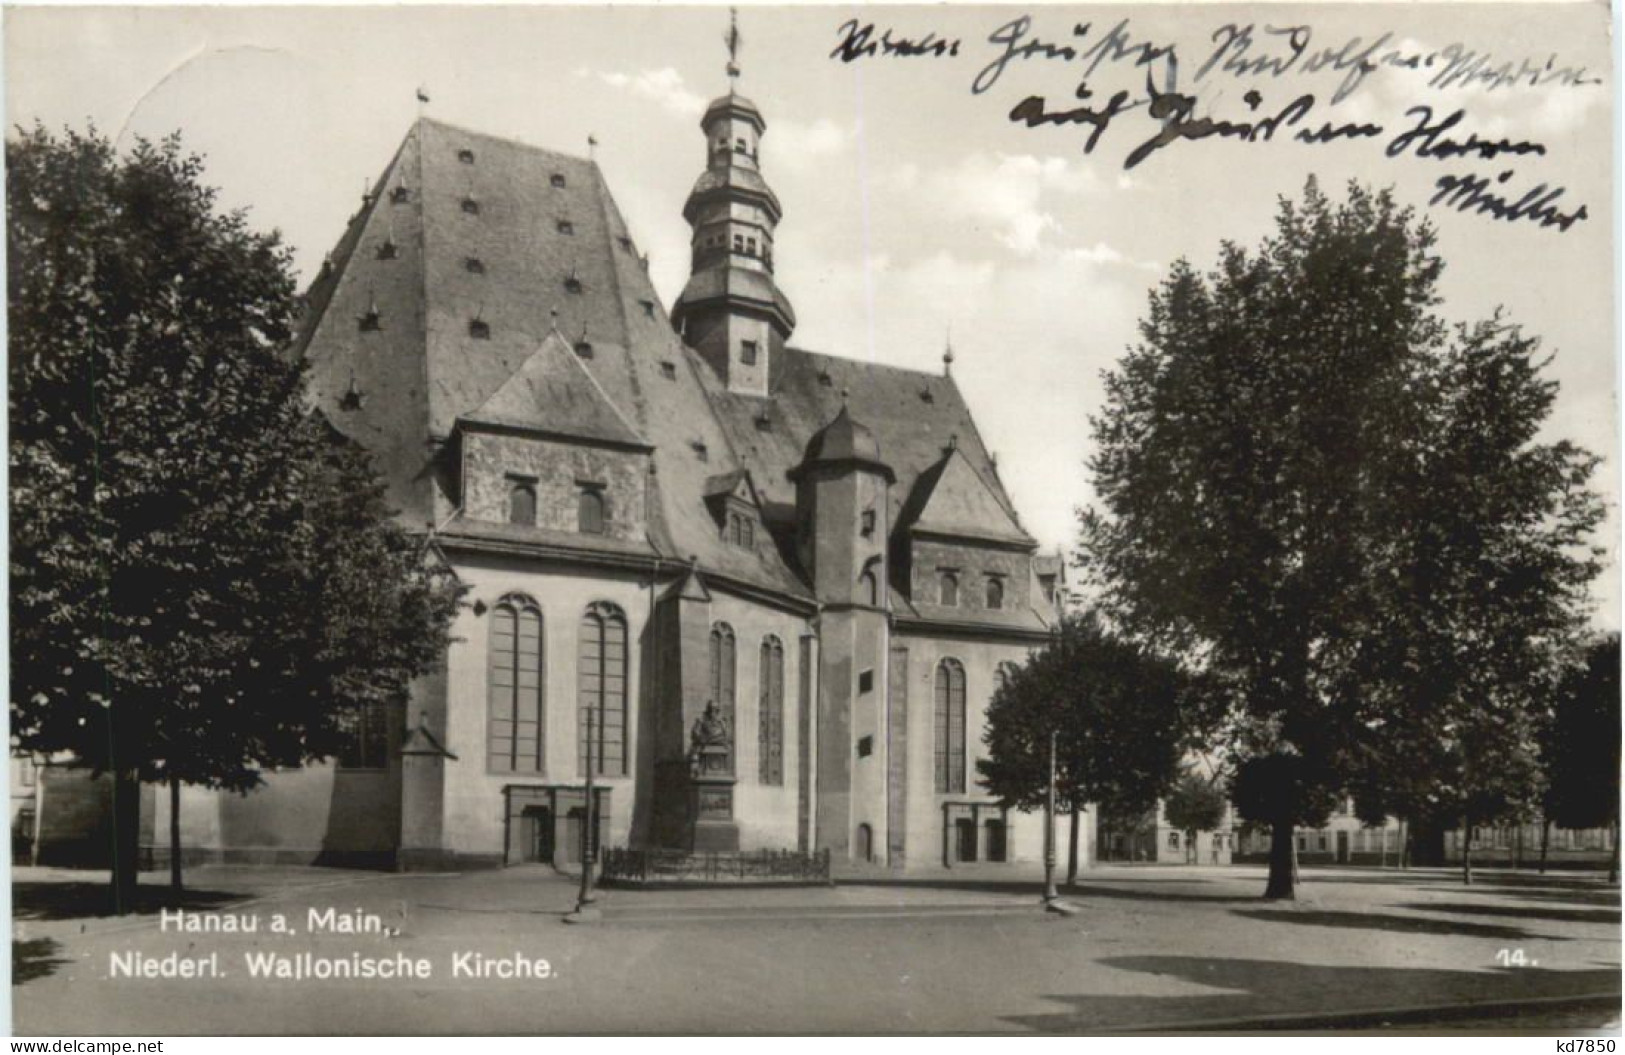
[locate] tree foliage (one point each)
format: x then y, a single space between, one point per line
205 578
1123 717
1195 803
1313 485
1582 743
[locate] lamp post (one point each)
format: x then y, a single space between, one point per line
1052 897
585 910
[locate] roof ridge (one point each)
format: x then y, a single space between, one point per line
508 140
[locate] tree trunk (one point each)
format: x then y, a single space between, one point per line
175 834
1072 851
1283 863
1466 852
126 833
1545 840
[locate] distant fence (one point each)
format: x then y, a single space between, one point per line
647 867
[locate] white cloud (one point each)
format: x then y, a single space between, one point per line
663 86
793 143
1015 195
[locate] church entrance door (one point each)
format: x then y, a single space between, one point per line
965 831
538 834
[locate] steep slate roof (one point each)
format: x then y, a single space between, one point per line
912 415
421 369
554 393
951 499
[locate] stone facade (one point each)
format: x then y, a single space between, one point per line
725 555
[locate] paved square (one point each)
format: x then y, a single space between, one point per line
1152 948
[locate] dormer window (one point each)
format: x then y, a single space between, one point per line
479 329
521 500
748 352
572 284
740 530
473 265
648 307
591 513
700 451
927 396
400 195
948 589
824 380
668 371
557 179
466 157
764 423
387 250
566 227
370 321
624 242
583 349
471 206
995 592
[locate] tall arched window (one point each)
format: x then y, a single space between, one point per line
601 690
950 727
515 716
722 678
770 720
948 588
869 588
521 502
995 592
590 511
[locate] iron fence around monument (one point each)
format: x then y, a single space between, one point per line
650 867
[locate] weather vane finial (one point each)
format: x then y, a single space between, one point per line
734 40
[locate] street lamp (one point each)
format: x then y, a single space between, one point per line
1052 897
585 910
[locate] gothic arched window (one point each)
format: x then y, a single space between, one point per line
950 727
770 720
515 716
722 677
601 690
521 502
948 589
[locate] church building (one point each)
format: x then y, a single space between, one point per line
763 593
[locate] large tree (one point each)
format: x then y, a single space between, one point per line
1581 746
1123 718
204 579
1285 493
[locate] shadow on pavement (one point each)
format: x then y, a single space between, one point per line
58 901
1397 924
1033 887
34 959
1261 988
1541 912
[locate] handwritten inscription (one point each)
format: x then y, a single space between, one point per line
1261 54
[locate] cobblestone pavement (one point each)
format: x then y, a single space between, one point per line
966 951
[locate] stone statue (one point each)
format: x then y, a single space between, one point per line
710 730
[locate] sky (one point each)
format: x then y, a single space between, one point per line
916 212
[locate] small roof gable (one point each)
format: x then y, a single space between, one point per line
554 392
951 498
735 483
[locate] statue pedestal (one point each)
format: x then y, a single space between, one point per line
711 801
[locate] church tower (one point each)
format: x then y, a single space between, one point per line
731 311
